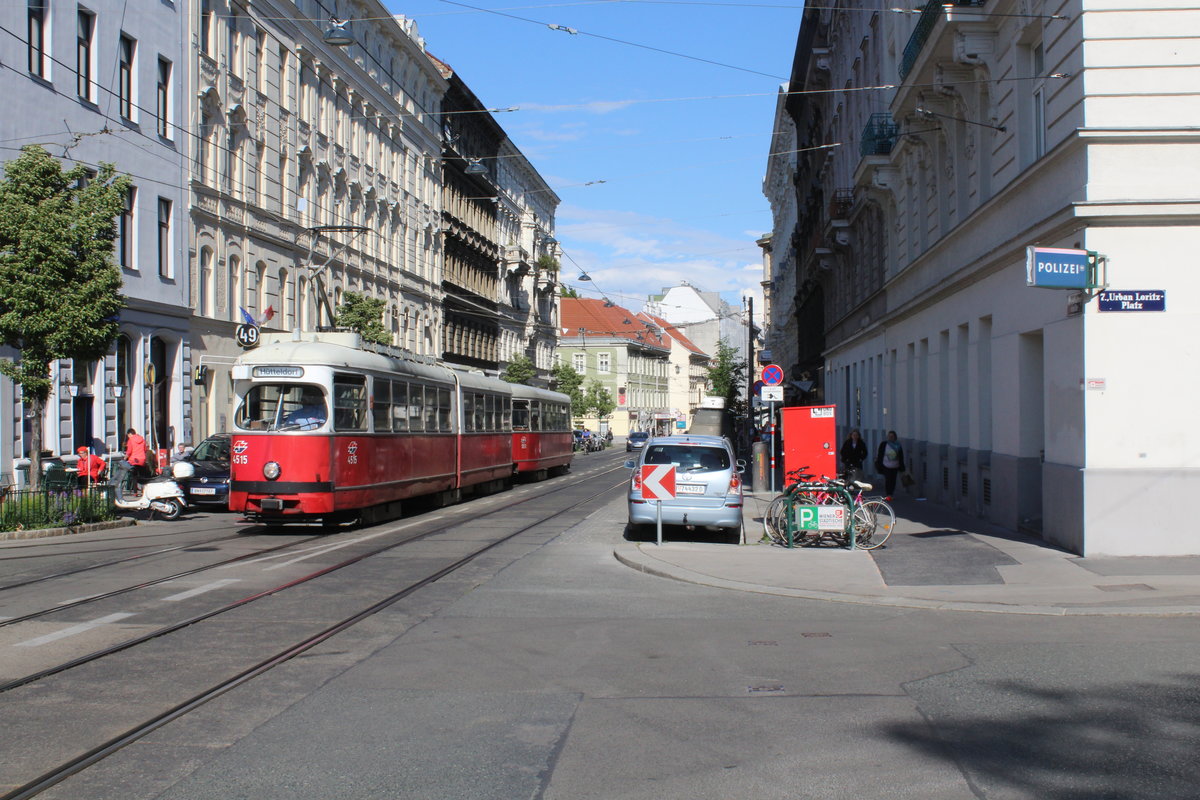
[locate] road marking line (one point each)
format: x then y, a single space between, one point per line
319 549
78 600
208 587
71 631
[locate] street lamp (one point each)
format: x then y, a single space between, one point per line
338 34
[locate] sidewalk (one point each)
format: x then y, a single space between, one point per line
937 558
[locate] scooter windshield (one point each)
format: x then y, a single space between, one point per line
282 407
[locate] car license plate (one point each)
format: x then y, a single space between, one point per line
689 488
204 490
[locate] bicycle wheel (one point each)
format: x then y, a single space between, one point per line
775 520
874 522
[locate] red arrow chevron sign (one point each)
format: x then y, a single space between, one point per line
658 481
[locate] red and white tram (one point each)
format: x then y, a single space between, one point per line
542 439
327 430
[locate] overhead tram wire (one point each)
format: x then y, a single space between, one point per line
576 31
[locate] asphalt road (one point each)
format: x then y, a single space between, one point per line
546 669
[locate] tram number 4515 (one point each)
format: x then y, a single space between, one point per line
247 335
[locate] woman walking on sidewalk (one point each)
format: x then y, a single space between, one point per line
889 460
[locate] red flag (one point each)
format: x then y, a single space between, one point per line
267 314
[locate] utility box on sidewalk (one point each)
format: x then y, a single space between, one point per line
809 440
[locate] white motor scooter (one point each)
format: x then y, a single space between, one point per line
160 495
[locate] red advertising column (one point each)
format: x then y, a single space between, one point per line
809 441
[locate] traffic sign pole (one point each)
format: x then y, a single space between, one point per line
659 504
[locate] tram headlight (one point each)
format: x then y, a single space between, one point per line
271 470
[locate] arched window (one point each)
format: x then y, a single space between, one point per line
302 302
203 279
235 288
286 315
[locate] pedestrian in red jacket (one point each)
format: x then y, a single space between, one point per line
90 467
135 454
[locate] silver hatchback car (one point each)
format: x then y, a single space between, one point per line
708 483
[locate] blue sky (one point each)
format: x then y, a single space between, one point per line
680 145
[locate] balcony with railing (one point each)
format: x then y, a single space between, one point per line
879 136
930 14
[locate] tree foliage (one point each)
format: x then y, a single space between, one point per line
727 375
519 370
60 290
565 379
364 316
597 400
567 291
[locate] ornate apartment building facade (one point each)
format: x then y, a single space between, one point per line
933 151
314 164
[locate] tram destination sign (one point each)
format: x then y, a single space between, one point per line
1133 300
1058 268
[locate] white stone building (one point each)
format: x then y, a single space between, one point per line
703 317
1016 123
92 85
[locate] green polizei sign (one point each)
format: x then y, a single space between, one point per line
820 518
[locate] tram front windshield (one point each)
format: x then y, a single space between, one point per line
282 407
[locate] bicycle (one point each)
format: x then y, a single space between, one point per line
871 520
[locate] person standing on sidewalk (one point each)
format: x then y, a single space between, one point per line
889 459
853 455
135 454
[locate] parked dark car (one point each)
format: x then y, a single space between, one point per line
210 485
636 440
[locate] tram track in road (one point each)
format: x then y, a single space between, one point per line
283 654
185 623
109 563
94 598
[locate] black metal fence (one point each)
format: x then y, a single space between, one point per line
28 509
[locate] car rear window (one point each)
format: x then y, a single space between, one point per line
689 457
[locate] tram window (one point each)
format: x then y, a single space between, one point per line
275 406
490 419
431 408
381 405
506 413
416 407
535 416
399 406
349 403
520 415
468 401
480 413
444 409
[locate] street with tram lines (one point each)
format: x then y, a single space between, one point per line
497 649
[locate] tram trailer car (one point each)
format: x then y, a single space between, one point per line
542 441
326 430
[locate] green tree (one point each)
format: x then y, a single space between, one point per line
60 290
364 316
727 375
519 370
548 263
597 400
566 380
567 291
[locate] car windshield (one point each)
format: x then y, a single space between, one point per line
689 458
282 407
639 435
213 449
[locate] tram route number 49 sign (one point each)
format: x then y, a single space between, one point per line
658 481
247 336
